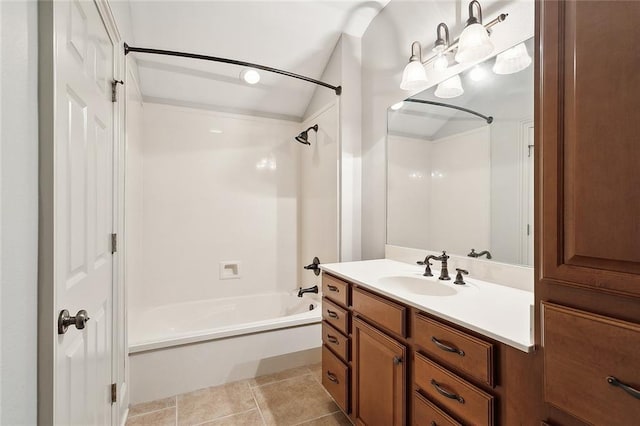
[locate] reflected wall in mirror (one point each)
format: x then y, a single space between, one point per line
460 180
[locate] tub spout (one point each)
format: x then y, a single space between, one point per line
302 291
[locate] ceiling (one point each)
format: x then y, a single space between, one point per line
298 36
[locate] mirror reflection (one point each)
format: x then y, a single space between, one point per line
460 163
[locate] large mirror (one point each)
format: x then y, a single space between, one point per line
460 163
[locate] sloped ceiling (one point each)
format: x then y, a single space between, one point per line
297 36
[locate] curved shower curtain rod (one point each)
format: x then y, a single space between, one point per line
488 119
128 49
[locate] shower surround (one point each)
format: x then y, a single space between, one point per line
226 216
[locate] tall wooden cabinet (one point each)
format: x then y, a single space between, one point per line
588 210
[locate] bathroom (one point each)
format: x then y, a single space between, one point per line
382 212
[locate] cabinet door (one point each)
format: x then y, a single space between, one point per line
589 122
379 385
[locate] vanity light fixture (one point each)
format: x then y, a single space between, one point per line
474 43
414 76
250 76
513 60
451 88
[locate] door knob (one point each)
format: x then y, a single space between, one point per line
65 320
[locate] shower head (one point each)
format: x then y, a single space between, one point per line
303 137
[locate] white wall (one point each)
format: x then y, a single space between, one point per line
19 214
344 69
385 51
318 194
210 197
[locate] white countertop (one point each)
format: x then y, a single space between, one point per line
496 311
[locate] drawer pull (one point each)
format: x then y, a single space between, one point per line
333 288
332 314
332 339
446 393
332 377
446 348
628 389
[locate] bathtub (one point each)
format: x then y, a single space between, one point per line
182 347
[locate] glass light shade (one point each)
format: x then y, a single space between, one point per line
474 44
513 60
441 63
414 76
450 88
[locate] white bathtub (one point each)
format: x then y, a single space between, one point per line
210 342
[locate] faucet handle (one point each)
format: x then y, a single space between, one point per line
459 279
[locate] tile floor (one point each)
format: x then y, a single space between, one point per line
292 397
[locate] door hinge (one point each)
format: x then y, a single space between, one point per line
114 243
528 229
114 89
114 393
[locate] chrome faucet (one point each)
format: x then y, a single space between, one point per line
482 253
302 291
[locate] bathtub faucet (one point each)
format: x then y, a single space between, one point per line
302 291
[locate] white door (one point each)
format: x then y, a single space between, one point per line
530 194
83 219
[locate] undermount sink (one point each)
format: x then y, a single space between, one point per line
420 286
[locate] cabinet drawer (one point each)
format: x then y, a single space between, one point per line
335 289
335 378
383 312
461 398
581 352
335 340
335 315
427 414
460 350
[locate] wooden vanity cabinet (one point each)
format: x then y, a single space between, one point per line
587 211
390 361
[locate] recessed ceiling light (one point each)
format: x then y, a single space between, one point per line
397 106
250 76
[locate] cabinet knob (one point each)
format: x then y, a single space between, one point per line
397 360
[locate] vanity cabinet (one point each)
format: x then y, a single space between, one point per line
402 366
587 209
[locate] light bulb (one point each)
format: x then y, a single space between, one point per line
397 106
250 76
477 73
474 44
450 88
513 60
414 76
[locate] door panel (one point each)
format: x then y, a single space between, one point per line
589 125
379 377
83 218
